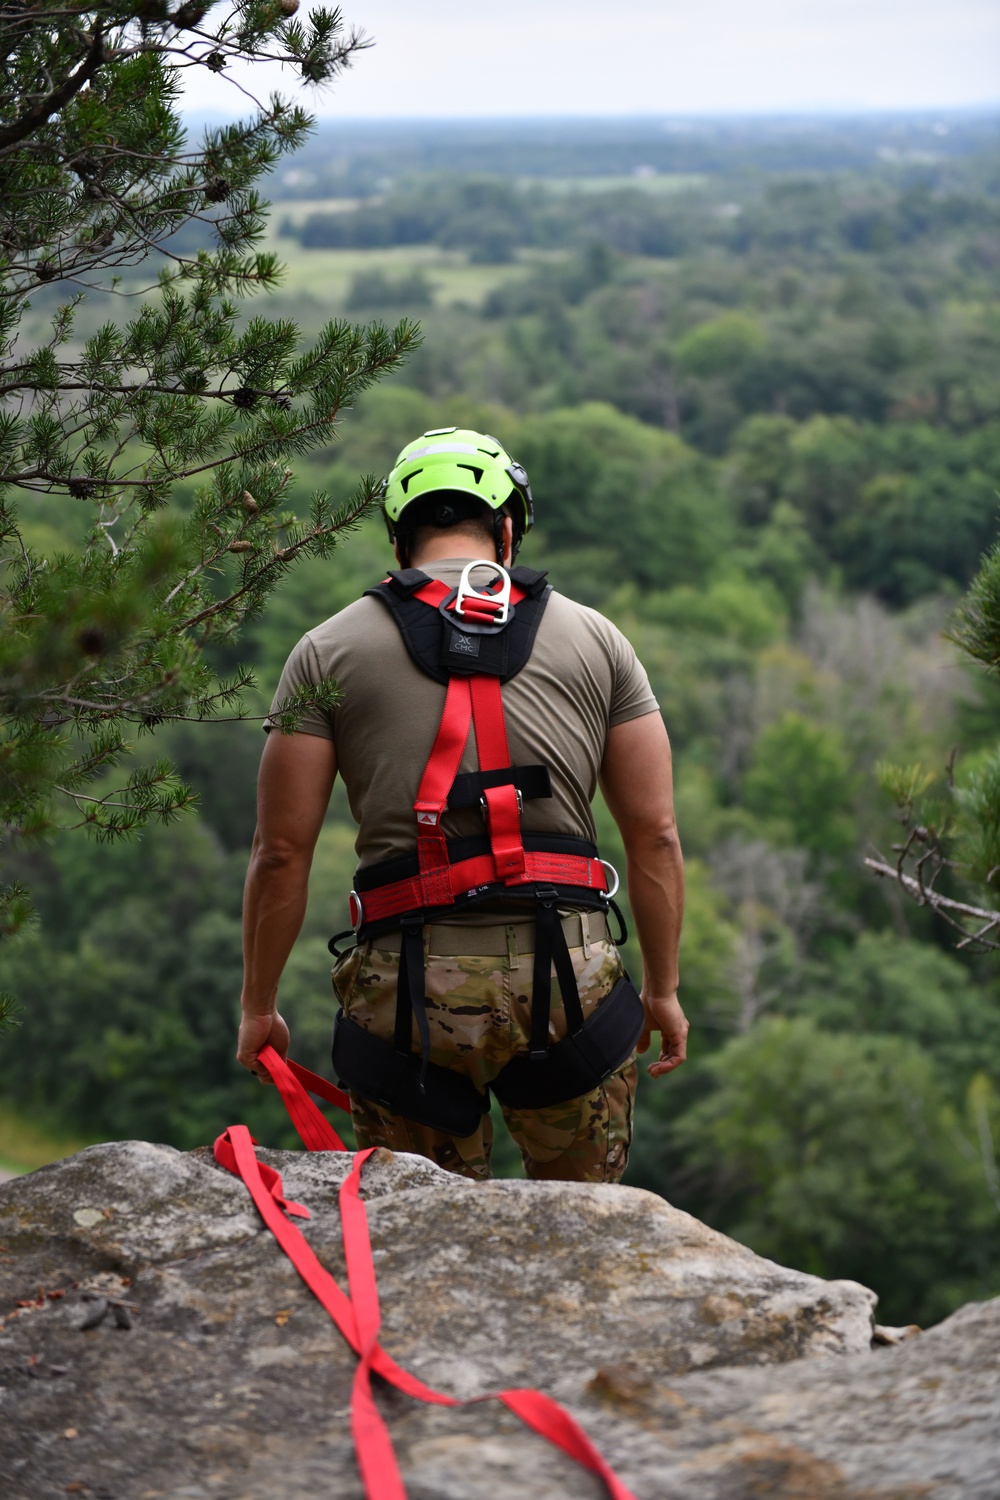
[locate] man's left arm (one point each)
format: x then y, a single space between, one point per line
293 792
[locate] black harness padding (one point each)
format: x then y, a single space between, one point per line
582 1060
444 647
446 1100
451 1102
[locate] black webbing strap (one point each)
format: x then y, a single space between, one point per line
411 994
468 787
551 948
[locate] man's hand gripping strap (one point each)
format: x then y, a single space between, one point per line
358 1316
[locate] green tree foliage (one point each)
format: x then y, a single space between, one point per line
838 1153
156 448
949 859
800 781
616 486
781 524
127 990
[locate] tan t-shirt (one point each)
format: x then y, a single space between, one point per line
581 678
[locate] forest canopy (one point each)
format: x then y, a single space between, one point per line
756 388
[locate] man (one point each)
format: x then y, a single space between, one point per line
478 710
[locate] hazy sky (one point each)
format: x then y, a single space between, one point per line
581 57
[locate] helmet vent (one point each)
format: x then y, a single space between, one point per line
490 454
405 481
477 474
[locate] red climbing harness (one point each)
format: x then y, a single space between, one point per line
473 699
357 1315
472 641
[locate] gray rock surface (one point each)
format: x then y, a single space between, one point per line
700 1369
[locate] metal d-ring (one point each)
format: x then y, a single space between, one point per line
614 889
468 590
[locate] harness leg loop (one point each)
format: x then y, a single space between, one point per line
411 994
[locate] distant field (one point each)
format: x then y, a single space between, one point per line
24 1146
299 209
327 274
647 180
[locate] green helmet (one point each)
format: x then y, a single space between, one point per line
457 459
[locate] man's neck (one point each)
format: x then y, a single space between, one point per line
454 550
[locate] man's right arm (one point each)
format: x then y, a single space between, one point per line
637 782
293 792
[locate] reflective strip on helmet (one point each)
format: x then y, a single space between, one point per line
437 448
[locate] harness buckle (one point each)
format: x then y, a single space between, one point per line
484 806
467 590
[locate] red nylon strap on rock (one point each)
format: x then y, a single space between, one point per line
270 1179
358 1316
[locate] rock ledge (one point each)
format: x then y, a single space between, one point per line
700 1369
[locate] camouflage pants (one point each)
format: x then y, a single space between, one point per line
479 1014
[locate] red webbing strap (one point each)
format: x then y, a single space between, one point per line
435 593
466 697
358 1318
466 875
270 1180
432 794
317 1085
503 815
376 1459
491 726
315 1129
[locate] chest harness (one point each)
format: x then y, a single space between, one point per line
472 641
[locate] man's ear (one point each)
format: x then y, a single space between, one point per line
508 541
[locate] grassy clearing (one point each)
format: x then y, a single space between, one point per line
326 275
646 182
25 1146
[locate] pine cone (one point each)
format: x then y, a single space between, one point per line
217 189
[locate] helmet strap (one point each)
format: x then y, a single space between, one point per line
498 520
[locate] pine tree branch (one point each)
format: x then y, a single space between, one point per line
944 906
11 135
